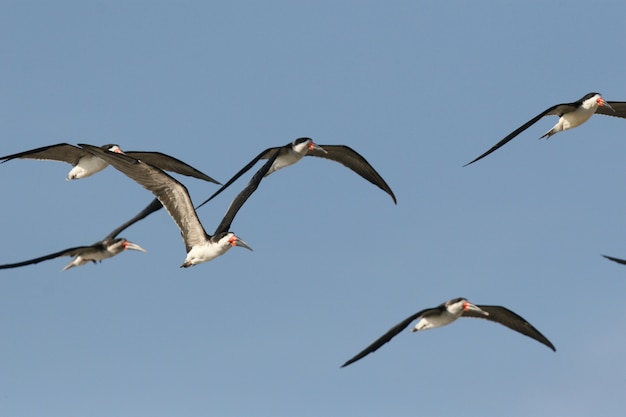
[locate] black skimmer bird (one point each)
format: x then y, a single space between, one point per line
618 260
108 247
299 148
448 312
570 115
200 246
85 164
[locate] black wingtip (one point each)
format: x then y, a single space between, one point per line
618 260
469 163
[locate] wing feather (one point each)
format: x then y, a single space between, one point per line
513 321
171 193
351 159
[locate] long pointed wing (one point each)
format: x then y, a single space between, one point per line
511 320
618 106
618 260
386 337
241 198
558 110
62 152
351 159
169 163
78 250
151 208
263 155
171 193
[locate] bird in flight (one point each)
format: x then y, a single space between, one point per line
570 115
449 312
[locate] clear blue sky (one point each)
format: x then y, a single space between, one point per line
418 88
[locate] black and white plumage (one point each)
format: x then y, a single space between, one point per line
108 247
570 115
292 152
86 164
449 312
200 246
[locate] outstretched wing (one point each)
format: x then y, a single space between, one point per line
557 110
78 250
62 152
171 193
511 320
351 159
263 155
151 208
618 260
169 163
391 333
241 198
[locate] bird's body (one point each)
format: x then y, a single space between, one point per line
449 312
85 164
200 246
86 167
290 154
99 251
293 152
108 247
576 117
571 115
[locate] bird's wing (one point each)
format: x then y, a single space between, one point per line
386 337
78 250
62 152
618 260
618 106
151 208
557 110
354 161
171 193
263 155
511 320
241 198
169 163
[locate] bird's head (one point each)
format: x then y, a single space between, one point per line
233 241
461 305
594 100
602 102
304 145
127 244
111 147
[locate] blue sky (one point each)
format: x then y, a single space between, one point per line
419 89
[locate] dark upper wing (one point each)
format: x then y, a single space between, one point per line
263 155
511 320
78 250
172 194
618 260
386 337
618 106
151 208
62 152
169 163
241 198
557 110
353 160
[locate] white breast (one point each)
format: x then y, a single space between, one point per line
86 166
